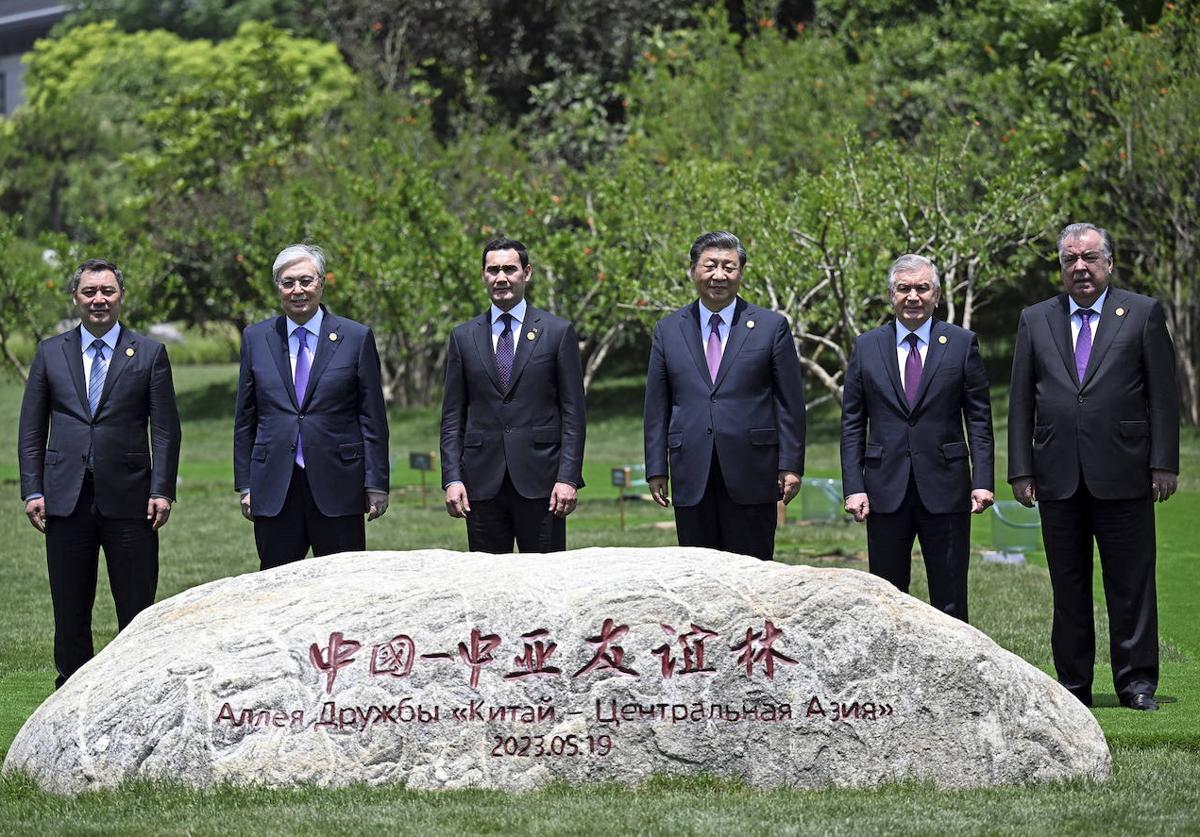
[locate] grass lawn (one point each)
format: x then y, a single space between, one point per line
1156 787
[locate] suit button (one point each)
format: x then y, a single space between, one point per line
912 422
507 429
1082 399
714 399
302 414
710 431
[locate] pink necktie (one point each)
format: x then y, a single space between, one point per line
713 352
912 370
1083 343
302 367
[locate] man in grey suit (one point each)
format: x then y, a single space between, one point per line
907 470
99 451
724 414
1093 438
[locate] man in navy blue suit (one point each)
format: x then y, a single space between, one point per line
724 415
513 415
310 442
906 467
99 451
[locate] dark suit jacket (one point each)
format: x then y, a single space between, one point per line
1117 423
753 415
535 431
884 442
342 414
57 428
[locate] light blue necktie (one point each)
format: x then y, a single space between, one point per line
96 379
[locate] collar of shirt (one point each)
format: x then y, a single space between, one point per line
313 327
923 332
517 313
723 329
1097 306
109 338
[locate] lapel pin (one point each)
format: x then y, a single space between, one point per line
1120 312
942 339
749 323
333 336
530 335
129 352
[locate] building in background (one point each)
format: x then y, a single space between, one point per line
21 23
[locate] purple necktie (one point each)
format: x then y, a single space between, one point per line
504 351
1083 343
713 352
912 370
301 382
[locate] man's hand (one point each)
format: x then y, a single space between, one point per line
1162 484
562 499
1025 491
158 509
859 506
246 513
457 504
35 510
658 490
789 486
377 503
981 499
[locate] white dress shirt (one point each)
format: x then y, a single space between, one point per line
902 348
518 315
313 327
110 347
1077 322
726 314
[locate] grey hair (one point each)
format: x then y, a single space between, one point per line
719 240
295 252
911 263
95 266
1078 229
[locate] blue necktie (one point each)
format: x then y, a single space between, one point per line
96 379
1083 342
504 351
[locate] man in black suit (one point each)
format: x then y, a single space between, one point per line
513 415
906 467
724 414
310 439
1093 439
89 476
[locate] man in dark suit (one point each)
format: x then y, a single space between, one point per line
1093 439
89 477
906 467
310 438
513 415
724 415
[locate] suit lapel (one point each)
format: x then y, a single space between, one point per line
481 335
73 354
886 343
277 343
127 345
1110 324
738 331
328 342
689 326
525 346
933 358
1058 321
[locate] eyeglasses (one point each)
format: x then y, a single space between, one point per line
1091 257
305 282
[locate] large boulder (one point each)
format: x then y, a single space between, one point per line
443 670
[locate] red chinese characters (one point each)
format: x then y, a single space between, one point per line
533 661
609 655
338 654
756 648
691 644
394 657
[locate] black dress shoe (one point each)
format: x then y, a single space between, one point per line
1142 702
1083 697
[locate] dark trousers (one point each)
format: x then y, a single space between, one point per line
73 546
945 546
1124 532
286 537
717 522
493 525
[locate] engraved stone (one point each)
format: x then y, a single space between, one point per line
441 670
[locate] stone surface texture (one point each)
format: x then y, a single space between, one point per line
231 681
